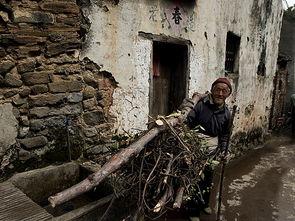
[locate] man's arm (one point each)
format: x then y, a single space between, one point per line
224 135
189 105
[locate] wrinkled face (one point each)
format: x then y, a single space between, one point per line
220 92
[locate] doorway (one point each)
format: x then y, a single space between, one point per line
168 86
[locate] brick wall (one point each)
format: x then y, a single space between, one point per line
47 84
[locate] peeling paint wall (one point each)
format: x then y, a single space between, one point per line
114 43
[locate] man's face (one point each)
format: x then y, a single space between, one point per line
220 92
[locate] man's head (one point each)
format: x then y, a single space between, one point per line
220 89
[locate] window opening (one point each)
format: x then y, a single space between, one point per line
232 53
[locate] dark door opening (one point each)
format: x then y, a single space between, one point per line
168 85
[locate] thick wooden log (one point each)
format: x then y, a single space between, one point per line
118 160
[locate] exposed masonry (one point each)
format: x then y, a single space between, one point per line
44 85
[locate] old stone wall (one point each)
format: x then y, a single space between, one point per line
47 94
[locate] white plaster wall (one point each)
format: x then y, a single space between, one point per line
116 45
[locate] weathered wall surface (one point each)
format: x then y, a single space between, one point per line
44 85
116 42
287 47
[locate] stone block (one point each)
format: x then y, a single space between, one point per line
39 112
6 66
27 65
35 17
25 155
68 69
60 7
32 78
27 39
13 80
25 92
2 81
16 112
68 20
24 108
23 131
62 47
55 122
24 120
26 51
73 109
93 118
65 86
33 142
10 93
75 97
90 80
37 125
62 59
89 92
105 127
39 89
18 101
90 104
2 52
90 131
47 99
4 16
7 40
95 150
103 148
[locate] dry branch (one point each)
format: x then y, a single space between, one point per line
168 169
167 195
119 159
178 199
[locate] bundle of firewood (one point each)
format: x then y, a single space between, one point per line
165 174
161 168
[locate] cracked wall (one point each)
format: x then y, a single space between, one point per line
115 41
84 65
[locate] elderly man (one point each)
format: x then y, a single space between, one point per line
212 114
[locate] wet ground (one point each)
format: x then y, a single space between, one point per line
258 187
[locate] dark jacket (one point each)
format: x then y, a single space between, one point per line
214 120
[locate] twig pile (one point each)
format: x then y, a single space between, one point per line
166 173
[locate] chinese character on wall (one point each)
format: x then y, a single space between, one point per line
176 15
